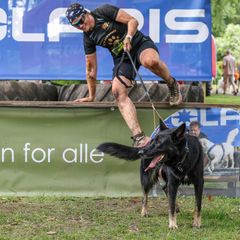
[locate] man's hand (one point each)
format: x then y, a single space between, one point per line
86 99
132 24
127 43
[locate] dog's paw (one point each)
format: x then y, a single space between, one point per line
197 222
196 225
173 226
173 222
144 213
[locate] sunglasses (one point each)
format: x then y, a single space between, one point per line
78 21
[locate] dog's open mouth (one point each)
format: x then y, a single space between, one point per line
154 162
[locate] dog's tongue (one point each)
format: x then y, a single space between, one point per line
154 162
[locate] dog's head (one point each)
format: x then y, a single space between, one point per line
165 147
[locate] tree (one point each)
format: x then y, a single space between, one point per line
229 40
224 12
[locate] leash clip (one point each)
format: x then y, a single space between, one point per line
179 167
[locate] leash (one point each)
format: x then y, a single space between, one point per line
145 89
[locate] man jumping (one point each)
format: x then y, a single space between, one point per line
114 29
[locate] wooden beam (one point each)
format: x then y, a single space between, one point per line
68 104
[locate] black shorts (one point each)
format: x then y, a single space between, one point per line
126 69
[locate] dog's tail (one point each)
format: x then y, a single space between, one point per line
119 151
231 135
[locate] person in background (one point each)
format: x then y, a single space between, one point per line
195 130
228 72
112 28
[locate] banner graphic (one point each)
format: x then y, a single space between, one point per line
218 130
37 41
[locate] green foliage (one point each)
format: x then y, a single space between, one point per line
229 40
224 12
219 70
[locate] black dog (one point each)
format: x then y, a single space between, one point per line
172 155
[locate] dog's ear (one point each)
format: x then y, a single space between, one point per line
179 133
162 125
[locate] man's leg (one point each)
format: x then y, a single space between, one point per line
235 89
149 58
128 110
225 83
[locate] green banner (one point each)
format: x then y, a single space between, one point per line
52 151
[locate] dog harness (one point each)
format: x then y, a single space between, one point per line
178 168
180 164
212 147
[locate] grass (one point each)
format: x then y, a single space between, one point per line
222 99
114 218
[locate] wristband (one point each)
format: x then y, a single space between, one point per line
129 36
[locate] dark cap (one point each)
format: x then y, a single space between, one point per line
75 10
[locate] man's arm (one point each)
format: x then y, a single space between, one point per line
91 75
132 24
224 62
